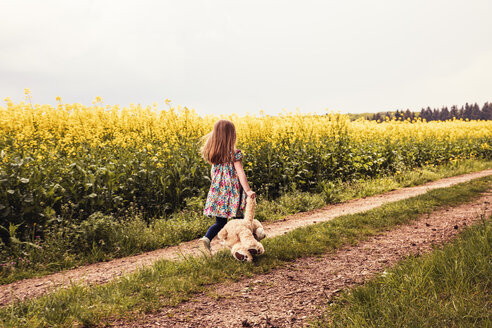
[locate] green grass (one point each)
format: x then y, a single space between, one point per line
449 287
337 191
168 282
101 238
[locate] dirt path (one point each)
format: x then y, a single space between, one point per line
105 271
295 293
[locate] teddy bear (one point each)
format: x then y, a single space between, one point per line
242 236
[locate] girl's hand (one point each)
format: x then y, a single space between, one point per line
251 193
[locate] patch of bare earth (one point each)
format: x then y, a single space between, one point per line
105 271
297 292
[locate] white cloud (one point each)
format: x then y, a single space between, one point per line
221 56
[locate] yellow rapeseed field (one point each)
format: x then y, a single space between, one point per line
72 158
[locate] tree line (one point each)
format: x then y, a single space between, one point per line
468 111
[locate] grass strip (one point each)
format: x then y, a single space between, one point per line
107 239
169 282
449 287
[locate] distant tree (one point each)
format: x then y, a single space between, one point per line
454 112
409 114
444 115
461 113
467 113
436 114
399 115
476 113
377 117
428 114
422 113
487 111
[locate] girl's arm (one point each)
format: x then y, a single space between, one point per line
242 179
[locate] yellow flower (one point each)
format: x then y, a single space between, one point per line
27 91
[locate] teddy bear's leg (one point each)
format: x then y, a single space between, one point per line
259 249
240 253
256 249
249 243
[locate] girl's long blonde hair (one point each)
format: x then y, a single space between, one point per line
220 143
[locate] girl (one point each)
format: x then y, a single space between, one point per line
227 195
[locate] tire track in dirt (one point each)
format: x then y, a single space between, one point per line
298 292
102 272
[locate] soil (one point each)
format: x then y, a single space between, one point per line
296 293
105 271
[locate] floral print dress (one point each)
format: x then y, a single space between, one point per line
226 198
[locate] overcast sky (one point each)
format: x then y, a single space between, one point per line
246 56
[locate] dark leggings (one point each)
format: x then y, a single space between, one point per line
214 230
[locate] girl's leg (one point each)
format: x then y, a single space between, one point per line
214 230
